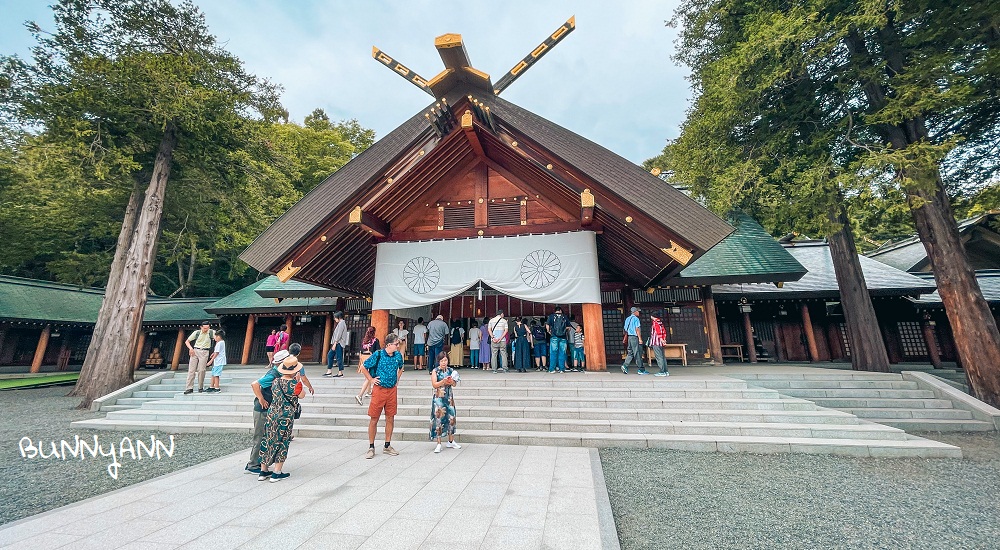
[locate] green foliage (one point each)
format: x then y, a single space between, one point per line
82 121
801 107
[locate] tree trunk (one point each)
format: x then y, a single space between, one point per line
867 349
121 321
90 368
977 339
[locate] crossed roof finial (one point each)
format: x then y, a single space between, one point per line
458 68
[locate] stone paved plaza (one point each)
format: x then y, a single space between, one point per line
480 496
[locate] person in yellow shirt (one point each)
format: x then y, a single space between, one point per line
199 345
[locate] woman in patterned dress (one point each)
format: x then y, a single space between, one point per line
279 421
443 378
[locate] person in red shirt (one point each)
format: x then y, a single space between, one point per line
658 337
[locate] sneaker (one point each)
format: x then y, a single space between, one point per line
624 369
359 399
201 390
642 372
327 374
438 448
264 475
368 395
278 476
370 453
251 469
453 445
390 451
188 392
662 374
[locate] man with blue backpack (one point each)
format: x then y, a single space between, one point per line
556 327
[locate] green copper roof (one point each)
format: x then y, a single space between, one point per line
247 300
271 287
177 311
33 300
747 255
44 301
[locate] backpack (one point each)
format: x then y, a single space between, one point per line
538 333
557 323
456 336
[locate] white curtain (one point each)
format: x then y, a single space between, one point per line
559 268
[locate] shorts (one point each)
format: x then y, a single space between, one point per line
541 349
217 370
578 354
382 399
268 348
418 349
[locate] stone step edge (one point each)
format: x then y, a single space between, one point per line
861 427
916 447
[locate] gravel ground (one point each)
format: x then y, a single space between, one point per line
675 499
34 485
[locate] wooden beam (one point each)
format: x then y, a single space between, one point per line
138 350
593 340
470 133
712 325
175 360
748 330
369 222
535 55
807 325
496 231
482 173
401 70
43 343
586 207
248 340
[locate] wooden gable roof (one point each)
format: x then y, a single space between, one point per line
647 229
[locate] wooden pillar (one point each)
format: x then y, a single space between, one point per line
288 327
175 361
62 351
43 342
593 340
327 335
248 340
931 340
138 350
748 330
833 341
380 320
712 326
779 342
807 326
3 336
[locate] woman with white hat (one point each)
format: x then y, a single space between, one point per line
280 420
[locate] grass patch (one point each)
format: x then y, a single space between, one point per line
39 381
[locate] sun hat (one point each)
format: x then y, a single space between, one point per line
280 356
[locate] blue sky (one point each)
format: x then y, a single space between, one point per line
611 80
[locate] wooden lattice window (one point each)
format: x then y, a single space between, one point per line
613 346
460 217
507 213
911 337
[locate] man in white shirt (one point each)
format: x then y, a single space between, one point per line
419 343
338 343
498 341
475 337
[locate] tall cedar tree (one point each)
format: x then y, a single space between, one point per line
146 81
850 94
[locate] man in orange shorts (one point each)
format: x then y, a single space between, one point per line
384 367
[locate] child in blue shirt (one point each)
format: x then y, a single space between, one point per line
218 360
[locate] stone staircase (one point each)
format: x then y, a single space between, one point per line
885 398
686 411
